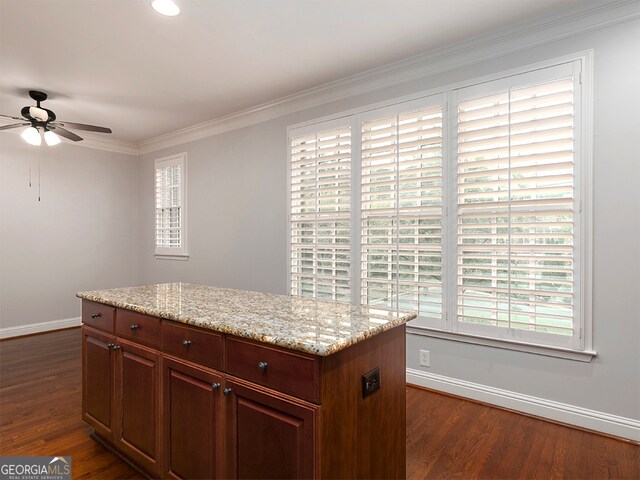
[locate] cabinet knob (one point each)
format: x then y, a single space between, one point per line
116 347
110 346
227 392
186 343
96 315
263 366
135 326
215 386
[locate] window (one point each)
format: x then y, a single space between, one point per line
516 208
401 203
320 225
171 235
464 205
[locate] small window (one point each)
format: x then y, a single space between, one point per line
171 238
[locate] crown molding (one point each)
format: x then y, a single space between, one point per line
477 49
108 144
474 50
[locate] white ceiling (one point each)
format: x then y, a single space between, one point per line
119 64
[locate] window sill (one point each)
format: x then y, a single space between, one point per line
578 355
183 257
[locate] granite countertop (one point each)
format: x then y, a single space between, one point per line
307 325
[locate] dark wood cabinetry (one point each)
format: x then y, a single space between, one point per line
121 396
188 403
270 436
98 381
193 421
137 401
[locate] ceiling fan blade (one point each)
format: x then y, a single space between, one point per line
83 126
13 118
63 132
15 125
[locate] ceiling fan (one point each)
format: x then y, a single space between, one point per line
43 121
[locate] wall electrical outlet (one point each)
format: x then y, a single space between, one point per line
425 358
370 382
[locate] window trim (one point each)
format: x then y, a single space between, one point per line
583 349
172 253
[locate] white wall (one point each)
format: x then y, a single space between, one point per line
236 202
82 235
237 227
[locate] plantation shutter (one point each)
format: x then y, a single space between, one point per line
320 222
169 179
401 211
515 209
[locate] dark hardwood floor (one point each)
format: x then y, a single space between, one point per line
40 405
448 437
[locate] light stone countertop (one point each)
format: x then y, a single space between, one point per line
307 325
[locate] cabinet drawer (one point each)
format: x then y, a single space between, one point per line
192 344
138 327
98 315
281 370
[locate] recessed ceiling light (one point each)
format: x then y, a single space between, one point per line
166 7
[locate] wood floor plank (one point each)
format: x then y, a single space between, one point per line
442 433
447 437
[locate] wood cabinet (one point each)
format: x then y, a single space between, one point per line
137 399
121 396
98 400
188 403
270 436
193 421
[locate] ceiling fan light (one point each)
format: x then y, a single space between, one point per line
51 138
31 136
39 113
166 7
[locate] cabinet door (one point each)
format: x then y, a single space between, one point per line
98 381
270 436
138 404
193 433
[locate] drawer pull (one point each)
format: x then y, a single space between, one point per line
110 346
96 315
215 386
263 366
186 343
135 326
227 392
115 347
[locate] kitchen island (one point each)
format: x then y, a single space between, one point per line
190 381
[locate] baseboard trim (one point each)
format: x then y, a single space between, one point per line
30 329
623 427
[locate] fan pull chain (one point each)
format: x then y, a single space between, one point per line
30 158
39 162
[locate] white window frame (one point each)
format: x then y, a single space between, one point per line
582 348
173 253
573 342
